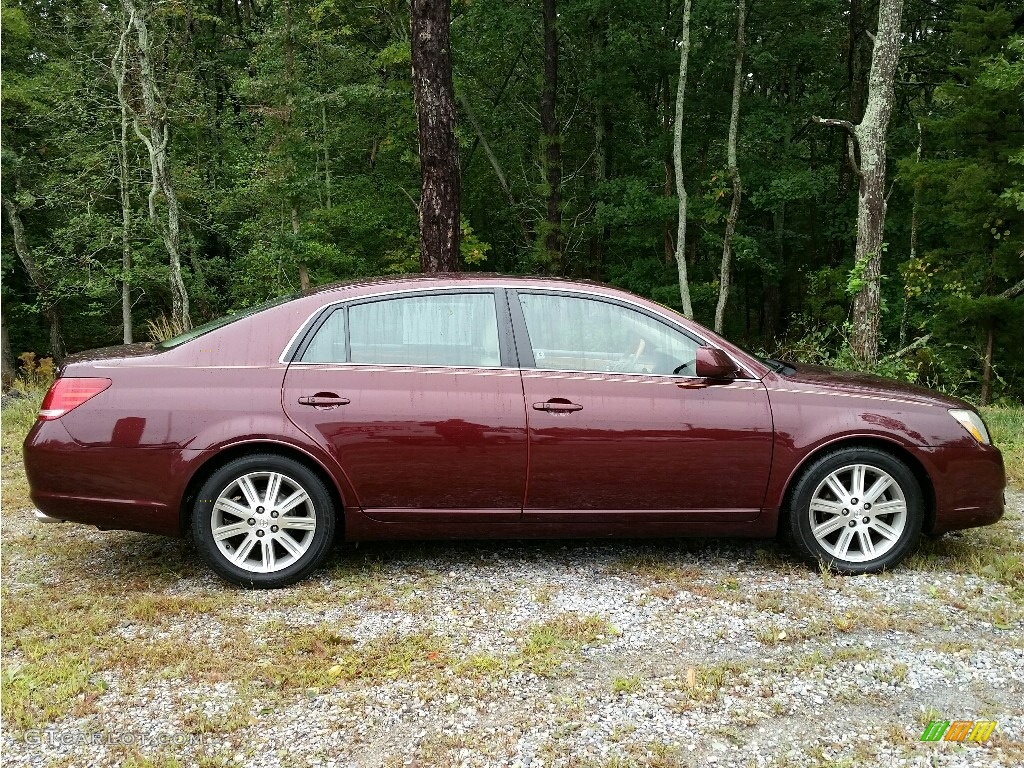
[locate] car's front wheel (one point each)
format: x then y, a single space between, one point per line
857 510
263 521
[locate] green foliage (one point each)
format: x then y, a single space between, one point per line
855 281
294 148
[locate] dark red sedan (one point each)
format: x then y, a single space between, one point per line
481 406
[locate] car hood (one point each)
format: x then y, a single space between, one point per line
854 382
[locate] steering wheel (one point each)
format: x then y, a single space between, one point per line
628 366
680 369
636 355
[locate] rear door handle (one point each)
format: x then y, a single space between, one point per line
324 400
557 405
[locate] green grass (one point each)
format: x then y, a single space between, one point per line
1007 428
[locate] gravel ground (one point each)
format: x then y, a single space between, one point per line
682 652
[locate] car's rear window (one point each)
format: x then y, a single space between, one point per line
220 322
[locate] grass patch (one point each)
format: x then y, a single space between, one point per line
985 552
57 650
629 684
1006 426
549 645
655 566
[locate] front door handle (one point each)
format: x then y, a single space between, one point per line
557 405
324 400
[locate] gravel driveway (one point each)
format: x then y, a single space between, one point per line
682 652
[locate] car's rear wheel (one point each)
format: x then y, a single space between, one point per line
263 521
856 510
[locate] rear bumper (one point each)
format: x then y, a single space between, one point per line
132 489
968 481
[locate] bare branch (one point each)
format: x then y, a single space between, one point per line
1013 291
834 122
851 150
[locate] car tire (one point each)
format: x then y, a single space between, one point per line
856 510
263 521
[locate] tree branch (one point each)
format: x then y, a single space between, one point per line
834 122
1014 290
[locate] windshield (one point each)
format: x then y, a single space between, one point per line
220 322
777 365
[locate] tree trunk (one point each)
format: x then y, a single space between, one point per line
327 153
913 244
6 358
35 274
126 219
126 223
304 284
668 247
552 140
734 172
157 139
600 176
869 139
986 374
119 67
677 161
871 135
439 152
601 125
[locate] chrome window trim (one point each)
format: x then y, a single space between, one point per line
490 287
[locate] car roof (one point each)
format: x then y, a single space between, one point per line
440 279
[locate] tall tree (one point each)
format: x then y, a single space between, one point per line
867 142
551 139
35 274
733 170
677 160
119 67
440 185
153 128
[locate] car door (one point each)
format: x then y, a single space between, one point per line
619 423
416 397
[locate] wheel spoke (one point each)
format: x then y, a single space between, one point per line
880 486
249 490
289 544
269 558
867 546
230 530
297 523
827 527
885 529
828 507
857 481
297 498
895 506
273 488
843 544
231 507
837 488
242 553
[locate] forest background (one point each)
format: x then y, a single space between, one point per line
168 162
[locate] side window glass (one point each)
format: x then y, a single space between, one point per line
328 346
570 333
445 329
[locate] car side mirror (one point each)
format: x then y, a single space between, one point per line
713 363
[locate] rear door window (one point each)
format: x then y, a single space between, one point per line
450 329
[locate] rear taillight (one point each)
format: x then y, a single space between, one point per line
67 394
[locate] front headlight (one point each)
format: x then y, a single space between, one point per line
972 422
